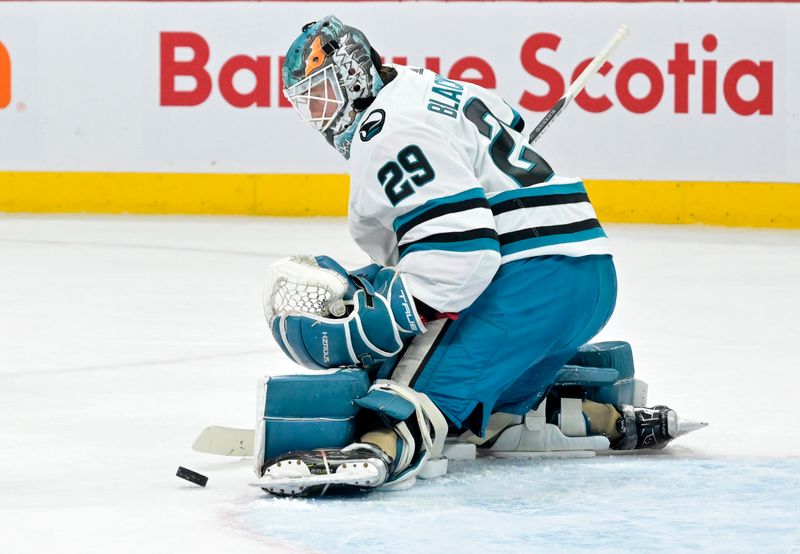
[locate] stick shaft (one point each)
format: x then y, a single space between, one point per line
577 86
601 58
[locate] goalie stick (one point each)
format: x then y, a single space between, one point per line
225 441
230 441
577 86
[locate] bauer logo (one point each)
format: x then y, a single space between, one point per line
5 77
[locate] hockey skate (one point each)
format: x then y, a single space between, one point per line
568 433
354 469
650 427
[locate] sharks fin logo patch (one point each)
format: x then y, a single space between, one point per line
373 124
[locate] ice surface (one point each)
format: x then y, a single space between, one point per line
122 337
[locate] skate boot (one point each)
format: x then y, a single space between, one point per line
650 427
354 469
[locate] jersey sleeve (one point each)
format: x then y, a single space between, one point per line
418 206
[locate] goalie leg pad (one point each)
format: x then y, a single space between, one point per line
301 412
533 436
397 403
363 466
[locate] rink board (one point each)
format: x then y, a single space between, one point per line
731 204
696 115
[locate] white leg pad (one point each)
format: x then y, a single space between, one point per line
535 437
639 393
432 468
455 450
452 450
433 429
570 418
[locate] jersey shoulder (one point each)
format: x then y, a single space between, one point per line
396 107
417 99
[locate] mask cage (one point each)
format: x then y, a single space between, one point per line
318 98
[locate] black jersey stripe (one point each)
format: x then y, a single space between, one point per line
440 210
418 353
450 238
429 353
539 201
549 230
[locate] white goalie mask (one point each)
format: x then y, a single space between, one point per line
318 98
330 75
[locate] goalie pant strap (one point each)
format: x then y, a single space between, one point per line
432 425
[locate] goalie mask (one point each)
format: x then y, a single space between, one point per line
330 76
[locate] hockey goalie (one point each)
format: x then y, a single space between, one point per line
491 274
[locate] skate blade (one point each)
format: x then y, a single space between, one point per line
292 477
686 426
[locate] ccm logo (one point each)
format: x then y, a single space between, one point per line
5 77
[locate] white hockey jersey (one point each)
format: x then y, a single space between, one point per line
444 187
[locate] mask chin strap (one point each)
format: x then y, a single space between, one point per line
361 104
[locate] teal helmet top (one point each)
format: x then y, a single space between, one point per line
331 75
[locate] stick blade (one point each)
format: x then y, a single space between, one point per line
225 441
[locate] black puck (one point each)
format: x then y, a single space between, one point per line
192 476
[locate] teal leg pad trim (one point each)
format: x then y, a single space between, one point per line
303 412
605 371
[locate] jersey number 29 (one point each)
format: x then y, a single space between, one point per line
410 162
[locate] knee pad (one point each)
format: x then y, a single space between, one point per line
601 372
605 372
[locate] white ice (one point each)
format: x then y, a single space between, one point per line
122 337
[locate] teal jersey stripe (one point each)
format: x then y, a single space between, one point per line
546 190
461 246
538 242
516 123
430 204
